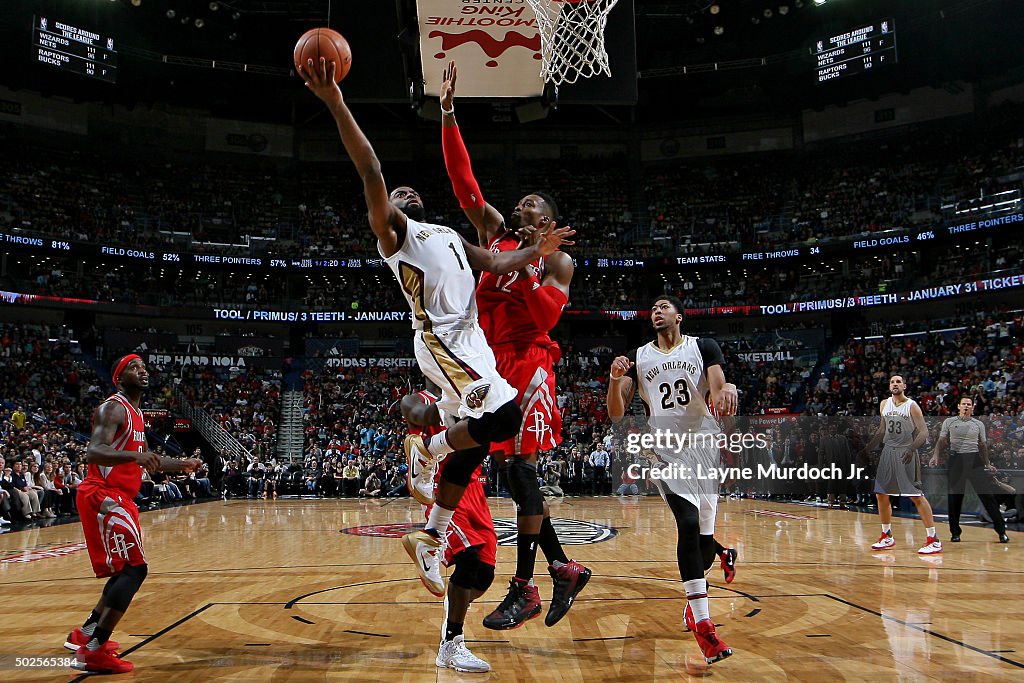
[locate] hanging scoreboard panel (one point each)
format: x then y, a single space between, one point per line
862 50
72 48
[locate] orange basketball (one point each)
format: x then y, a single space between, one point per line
327 43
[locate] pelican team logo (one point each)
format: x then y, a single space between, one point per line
475 398
570 531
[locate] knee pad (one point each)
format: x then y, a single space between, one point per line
522 484
124 586
460 465
466 565
484 577
500 425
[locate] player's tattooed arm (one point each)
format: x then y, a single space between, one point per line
109 417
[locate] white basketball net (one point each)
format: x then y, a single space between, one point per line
572 38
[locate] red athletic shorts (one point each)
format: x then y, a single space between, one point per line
528 368
112 534
472 526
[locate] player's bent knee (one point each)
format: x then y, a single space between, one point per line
500 425
484 577
128 582
522 484
467 564
460 465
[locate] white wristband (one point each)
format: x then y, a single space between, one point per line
616 379
450 112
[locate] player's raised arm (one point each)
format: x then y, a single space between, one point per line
386 220
108 419
620 387
487 220
514 259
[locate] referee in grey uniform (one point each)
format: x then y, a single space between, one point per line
968 461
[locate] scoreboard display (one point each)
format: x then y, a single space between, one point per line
863 49
75 49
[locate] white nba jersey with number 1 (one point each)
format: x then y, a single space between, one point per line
434 273
899 425
672 385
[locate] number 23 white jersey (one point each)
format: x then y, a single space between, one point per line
673 384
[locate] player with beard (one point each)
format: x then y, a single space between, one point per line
901 430
518 309
434 266
673 373
117 454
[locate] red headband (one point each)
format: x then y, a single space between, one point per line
123 363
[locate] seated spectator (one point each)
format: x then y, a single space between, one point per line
351 478
372 487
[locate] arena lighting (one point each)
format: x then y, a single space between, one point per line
820 2
715 9
200 23
783 9
719 30
171 14
767 13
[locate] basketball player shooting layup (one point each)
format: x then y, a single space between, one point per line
901 430
433 265
673 374
471 546
517 311
117 454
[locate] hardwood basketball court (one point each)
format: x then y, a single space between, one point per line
272 590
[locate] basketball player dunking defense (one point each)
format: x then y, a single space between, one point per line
471 546
517 311
673 373
901 431
434 267
116 455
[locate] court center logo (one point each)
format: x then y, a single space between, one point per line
570 531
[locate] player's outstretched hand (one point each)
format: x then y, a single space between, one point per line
908 456
728 401
554 237
191 465
448 86
620 366
320 79
150 461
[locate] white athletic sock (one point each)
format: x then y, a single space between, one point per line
930 531
439 519
697 596
438 446
887 529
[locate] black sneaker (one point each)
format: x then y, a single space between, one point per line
520 605
569 580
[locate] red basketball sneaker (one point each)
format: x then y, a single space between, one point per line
710 644
77 639
729 564
691 625
101 661
520 605
569 580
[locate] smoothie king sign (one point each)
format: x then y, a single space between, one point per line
495 43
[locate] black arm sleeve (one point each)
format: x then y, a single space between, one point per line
711 352
631 373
